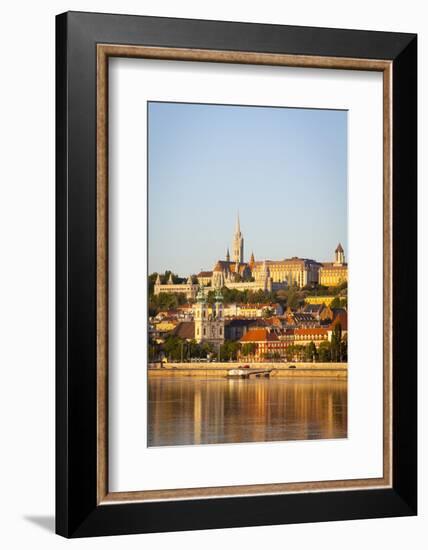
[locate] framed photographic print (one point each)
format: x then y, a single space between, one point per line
236 248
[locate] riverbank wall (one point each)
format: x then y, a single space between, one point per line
322 370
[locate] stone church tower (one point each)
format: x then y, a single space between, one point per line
238 244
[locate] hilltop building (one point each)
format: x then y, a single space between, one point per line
262 275
188 288
334 273
291 272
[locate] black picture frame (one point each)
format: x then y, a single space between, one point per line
77 512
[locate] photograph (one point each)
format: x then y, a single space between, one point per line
247 274
213 285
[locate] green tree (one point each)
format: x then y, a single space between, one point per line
248 349
229 350
336 340
289 353
173 348
154 351
344 349
336 303
343 286
292 298
324 352
207 349
165 301
295 353
310 352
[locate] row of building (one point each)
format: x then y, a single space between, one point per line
266 275
268 328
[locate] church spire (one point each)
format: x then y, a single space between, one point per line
227 255
238 243
238 225
252 261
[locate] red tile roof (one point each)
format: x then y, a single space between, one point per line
259 335
313 331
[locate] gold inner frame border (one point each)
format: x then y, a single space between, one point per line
104 52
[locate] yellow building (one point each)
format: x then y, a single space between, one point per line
318 300
204 278
334 273
292 271
266 275
166 325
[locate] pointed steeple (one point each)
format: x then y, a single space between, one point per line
252 260
238 243
238 225
227 255
170 281
158 280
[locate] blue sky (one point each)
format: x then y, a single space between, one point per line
285 170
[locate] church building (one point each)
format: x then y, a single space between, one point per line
265 275
209 321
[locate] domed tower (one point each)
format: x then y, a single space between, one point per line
339 255
238 243
218 276
209 328
216 325
200 315
218 306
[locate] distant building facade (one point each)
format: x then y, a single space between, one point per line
295 271
188 288
334 273
319 300
263 275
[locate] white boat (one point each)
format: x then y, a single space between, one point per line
238 373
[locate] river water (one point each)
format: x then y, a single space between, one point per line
191 410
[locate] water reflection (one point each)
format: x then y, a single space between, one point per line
192 410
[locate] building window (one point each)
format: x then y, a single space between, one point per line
205 332
221 331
